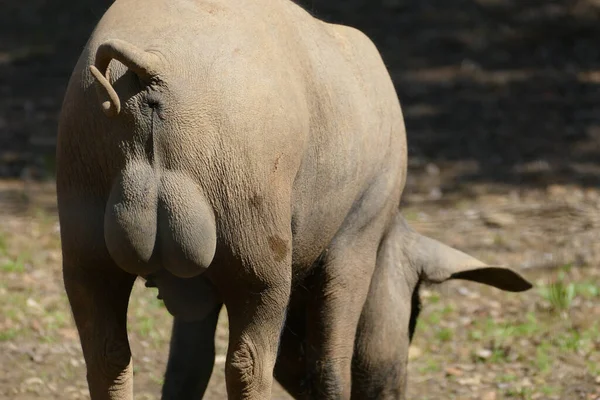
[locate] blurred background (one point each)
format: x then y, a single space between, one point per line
501 101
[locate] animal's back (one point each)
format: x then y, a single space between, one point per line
356 163
314 97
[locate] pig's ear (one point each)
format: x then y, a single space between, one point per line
143 64
437 262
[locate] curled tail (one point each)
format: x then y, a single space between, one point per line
142 63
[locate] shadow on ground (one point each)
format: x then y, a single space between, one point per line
507 90
39 45
494 91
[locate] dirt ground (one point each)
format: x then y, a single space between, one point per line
471 342
500 99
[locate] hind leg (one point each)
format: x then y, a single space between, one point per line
385 328
338 292
381 345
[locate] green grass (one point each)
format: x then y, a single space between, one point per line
543 357
549 390
146 326
499 240
475 334
527 393
430 367
560 293
16 265
434 298
410 215
158 379
528 328
9 334
523 393
57 320
447 310
445 334
524 339
3 244
11 263
593 368
507 378
540 340
588 290
499 355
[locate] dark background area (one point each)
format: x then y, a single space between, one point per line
493 91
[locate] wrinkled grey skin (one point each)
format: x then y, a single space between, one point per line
385 328
241 152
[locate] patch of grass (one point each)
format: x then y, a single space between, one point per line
447 310
504 332
500 332
57 319
11 314
430 367
522 393
588 290
9 334
46 220
434 298
3 244
527 393
499 240
146 326
593 368
543 357
559 294
549 390
569 341
531 327
410 215
582 341
475 334
69 372
47 339
16 265
155 302
503 338
158 379
506 378
444 334
434 318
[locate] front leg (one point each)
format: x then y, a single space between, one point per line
99 299
191 357
290 369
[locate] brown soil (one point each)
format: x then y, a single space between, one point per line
472 342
